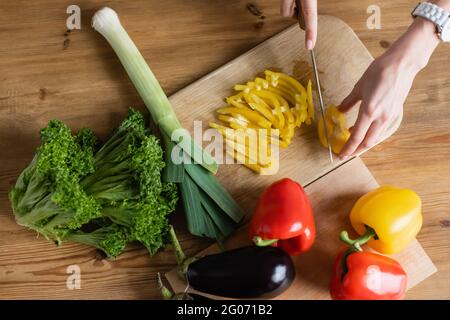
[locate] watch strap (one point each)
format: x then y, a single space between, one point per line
432 12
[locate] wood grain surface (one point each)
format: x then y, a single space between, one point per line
47 72
332 198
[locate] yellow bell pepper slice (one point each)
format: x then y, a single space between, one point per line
262 170
240 87
256 103
337 129
270 100
248 154
231 120
236 101
246 113
284 106
290 81
262 82
266 113
394 214
283 94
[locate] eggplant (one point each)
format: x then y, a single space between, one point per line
248 272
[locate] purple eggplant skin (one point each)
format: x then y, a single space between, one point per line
248 272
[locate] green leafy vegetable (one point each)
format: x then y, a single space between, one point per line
210 210
116 192
48 196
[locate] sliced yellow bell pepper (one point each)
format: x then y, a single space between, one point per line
248 154
246 113
282 94
256 103
270 100
337 129
271 169
231 120
241 87
262 82
394 214
290 81
236 101
278 104
240 134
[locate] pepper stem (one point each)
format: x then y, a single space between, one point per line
354 245
165 292
260 242
358 242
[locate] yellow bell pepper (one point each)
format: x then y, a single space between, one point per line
256 103
394 214
337 129
283 94
249 114
242 123
264 96
247 154
278 103
288 80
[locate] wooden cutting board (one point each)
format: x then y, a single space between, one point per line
332 198
341 59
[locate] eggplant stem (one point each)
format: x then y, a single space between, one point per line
260 242
179 254
165 292
182 261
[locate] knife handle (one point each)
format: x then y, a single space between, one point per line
298 14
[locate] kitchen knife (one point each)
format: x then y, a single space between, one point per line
301 22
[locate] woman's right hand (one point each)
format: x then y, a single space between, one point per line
309 9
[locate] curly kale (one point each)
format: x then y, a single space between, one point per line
68 186
127 183
48 196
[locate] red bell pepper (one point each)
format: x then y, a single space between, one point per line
362 275
284 218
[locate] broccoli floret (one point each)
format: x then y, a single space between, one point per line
48 196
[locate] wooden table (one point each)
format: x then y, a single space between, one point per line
47 72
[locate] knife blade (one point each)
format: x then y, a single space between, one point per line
301 22
322 108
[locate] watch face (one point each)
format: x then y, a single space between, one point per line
445 33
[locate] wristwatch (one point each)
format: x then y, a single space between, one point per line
437 15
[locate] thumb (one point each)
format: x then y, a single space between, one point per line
350 100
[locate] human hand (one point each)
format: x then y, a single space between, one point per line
309 9
384 86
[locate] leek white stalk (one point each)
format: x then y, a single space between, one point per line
106 21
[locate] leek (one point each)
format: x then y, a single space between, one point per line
209 208
107 23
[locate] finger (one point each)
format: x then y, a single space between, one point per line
309 9
356 137
372 136
350 100
287 8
